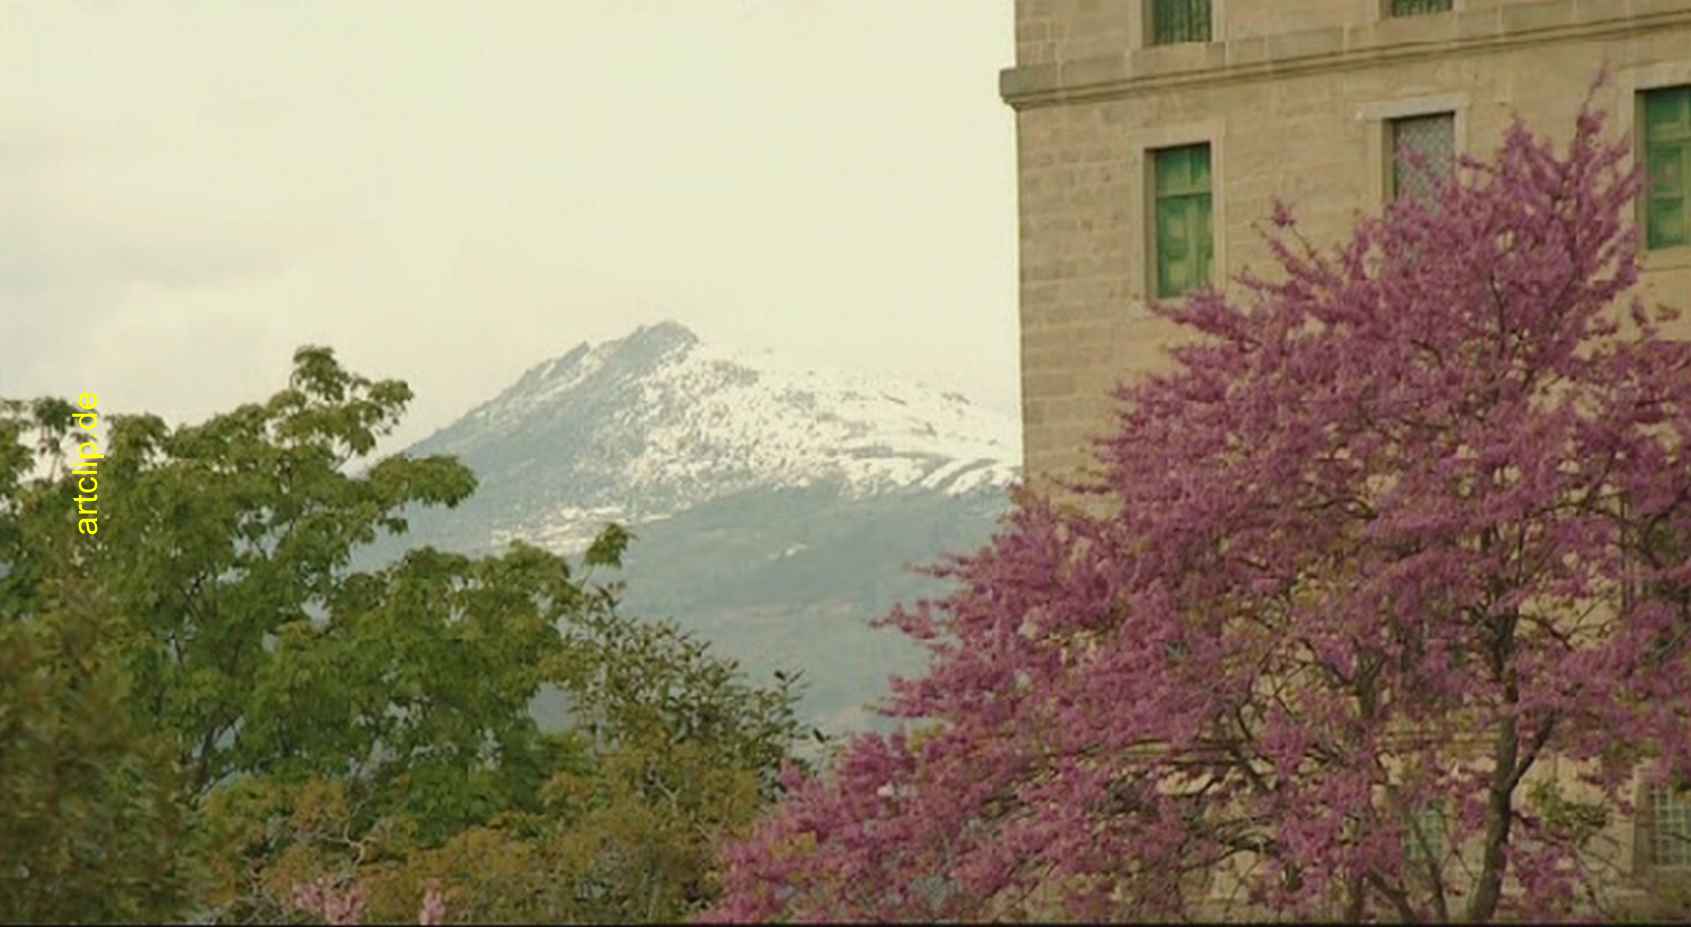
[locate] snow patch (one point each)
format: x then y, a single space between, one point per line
677 422
791 550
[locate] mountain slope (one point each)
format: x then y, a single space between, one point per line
776 508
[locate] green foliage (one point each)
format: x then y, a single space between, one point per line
1571 819
673 753
87 816
635 682
204 705
608 547
226 542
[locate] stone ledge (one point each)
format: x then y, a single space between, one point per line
1667 259
1148 70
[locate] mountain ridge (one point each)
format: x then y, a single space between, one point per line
776 507
643 427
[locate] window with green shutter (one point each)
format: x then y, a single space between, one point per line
1184 247
1417 7
1180 21
1667 166
1424 837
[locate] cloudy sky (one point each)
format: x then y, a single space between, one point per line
451 192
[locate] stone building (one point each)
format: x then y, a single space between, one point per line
1153 134
1241 101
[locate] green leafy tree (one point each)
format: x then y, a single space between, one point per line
319 726
672 752
227 543
87 822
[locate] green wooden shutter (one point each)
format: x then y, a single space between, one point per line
1185 246
1424 836
1417 7
1667 165
1180 21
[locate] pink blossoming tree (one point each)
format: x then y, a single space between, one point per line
323 898
1409 524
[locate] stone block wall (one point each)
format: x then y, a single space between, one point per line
1293 106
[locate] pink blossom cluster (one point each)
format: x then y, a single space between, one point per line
323 898
1407 522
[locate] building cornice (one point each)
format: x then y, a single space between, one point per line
1389 41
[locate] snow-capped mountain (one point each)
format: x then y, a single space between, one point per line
652 424
776 508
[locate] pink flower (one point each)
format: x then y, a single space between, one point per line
1375 509
322 898
434 905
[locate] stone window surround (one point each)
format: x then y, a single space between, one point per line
1378 117
1632 83
1374 11
1145 141
1139 36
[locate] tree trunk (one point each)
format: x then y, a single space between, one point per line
1499 816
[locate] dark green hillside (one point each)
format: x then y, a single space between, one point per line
723 569
788 579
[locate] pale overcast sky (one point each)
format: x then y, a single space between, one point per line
451 192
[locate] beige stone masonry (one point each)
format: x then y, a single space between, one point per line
1298 116
1118 65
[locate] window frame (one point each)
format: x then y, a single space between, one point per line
1631 84
1143 27
1144 143
1392 194
1388 8
1644 830
1379 11
1151 22
1377 118
1642 123
1158 196
1422 845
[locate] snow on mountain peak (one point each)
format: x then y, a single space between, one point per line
650 424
